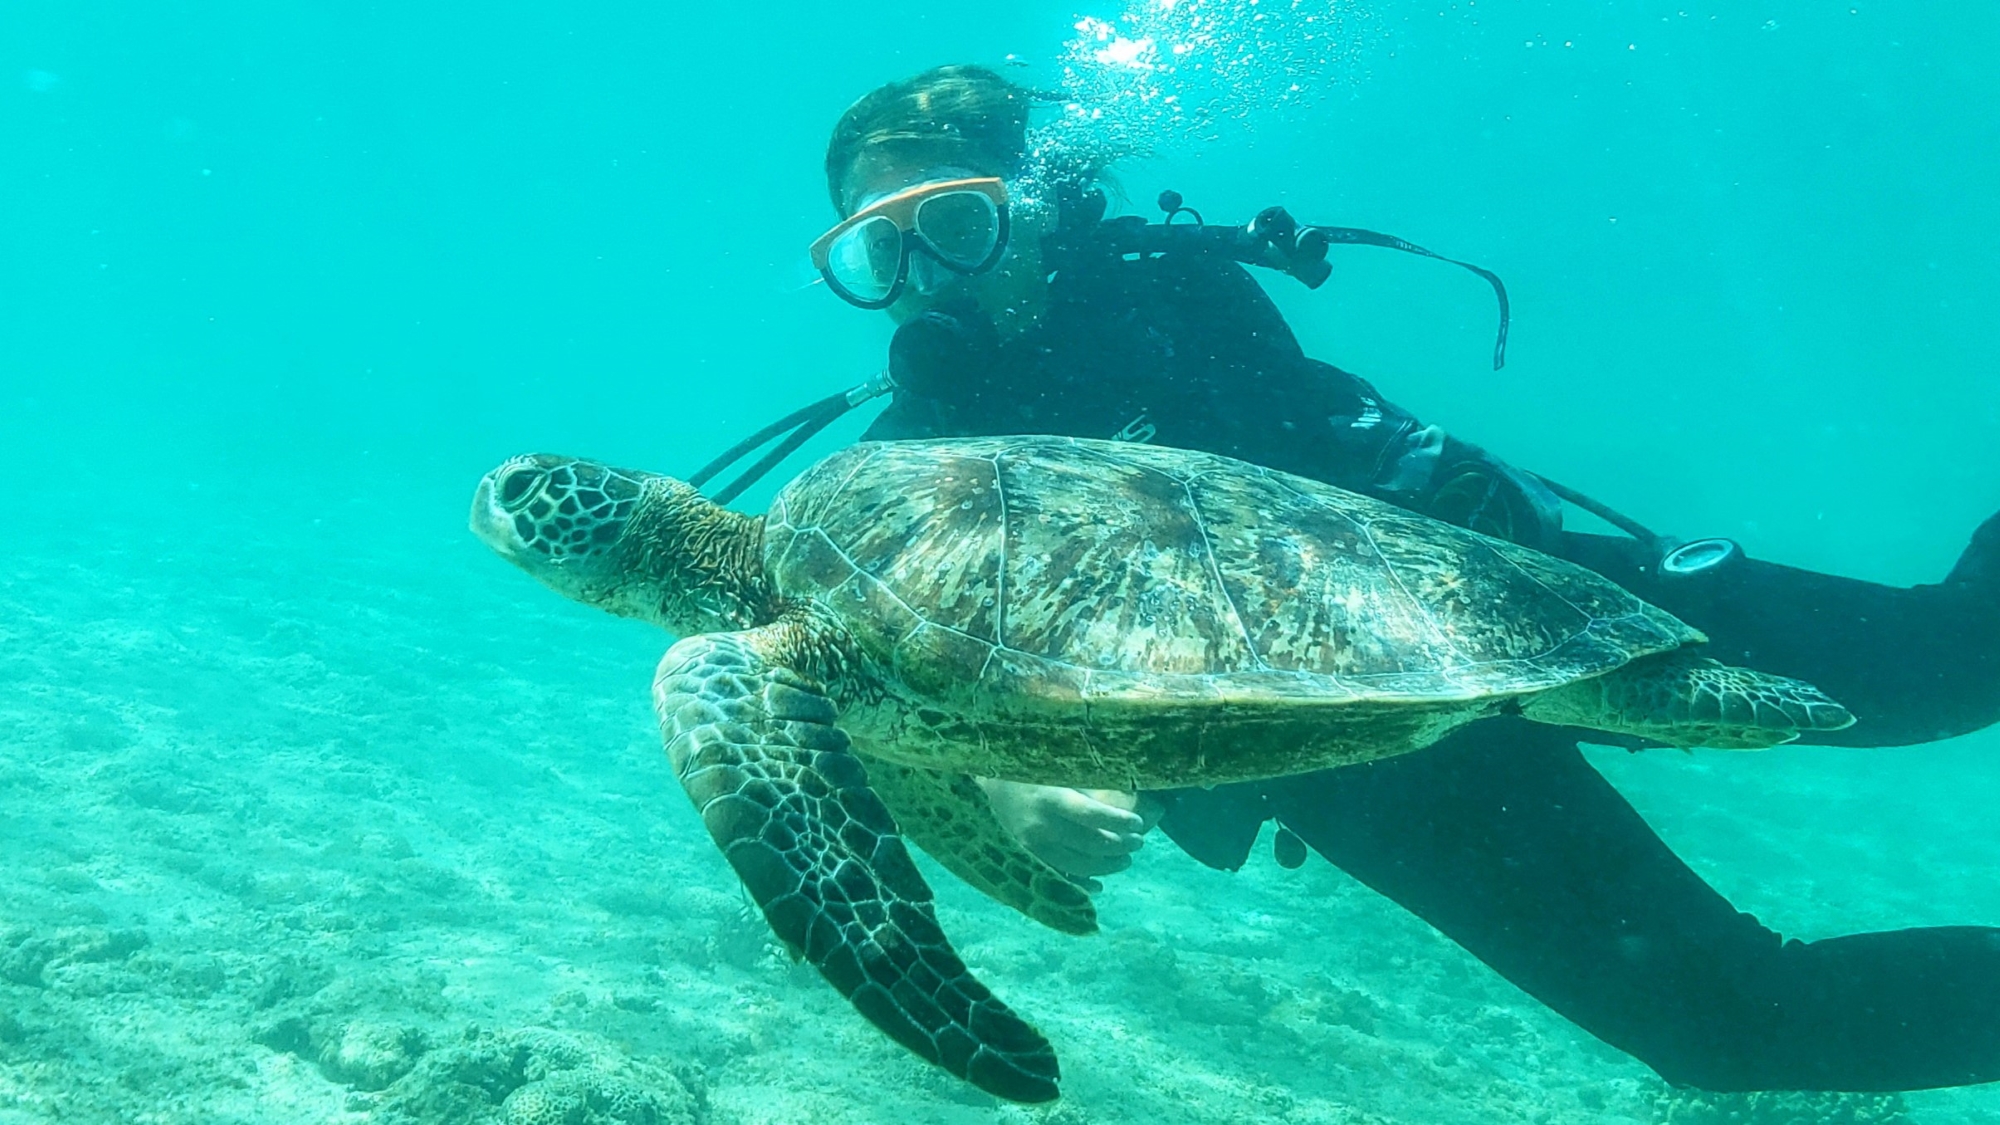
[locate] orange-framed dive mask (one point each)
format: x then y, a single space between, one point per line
959 224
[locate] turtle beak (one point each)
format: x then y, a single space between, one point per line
492 524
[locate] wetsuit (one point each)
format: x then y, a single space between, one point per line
1503 836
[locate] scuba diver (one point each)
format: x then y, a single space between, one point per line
1054 320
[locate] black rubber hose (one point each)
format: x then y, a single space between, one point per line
1605 512
797 417
829 410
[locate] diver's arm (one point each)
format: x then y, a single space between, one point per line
1335 427
1914 664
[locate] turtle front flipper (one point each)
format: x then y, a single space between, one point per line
754 744
1683 699
947 815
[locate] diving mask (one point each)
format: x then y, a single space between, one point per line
959 224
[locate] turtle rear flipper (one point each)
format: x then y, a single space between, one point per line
754 745
1686 700
947 815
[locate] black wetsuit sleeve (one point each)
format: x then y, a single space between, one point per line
1913 664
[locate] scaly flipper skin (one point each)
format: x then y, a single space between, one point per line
754 744
1683 699
946 814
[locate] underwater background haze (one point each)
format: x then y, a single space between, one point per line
314 811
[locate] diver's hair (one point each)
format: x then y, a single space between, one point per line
967 115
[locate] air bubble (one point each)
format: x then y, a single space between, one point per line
1163 73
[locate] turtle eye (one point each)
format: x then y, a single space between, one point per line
515 484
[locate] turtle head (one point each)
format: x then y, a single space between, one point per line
632 543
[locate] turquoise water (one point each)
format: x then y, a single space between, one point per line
308 801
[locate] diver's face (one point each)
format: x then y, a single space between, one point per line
1012 293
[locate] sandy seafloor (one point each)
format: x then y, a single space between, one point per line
314 812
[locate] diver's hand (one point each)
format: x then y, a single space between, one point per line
1080 832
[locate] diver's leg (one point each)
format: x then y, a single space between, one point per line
1508 841
1913 664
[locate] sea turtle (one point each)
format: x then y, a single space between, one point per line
1070 612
